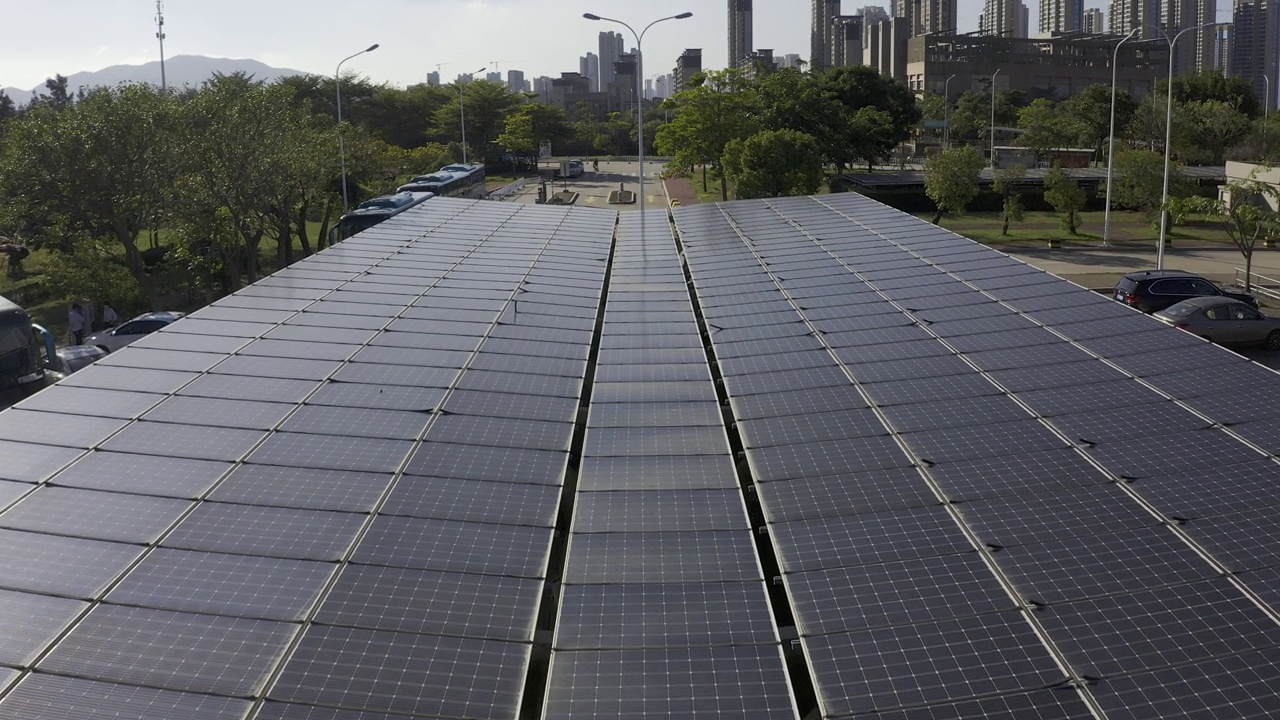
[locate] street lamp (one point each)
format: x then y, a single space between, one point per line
639 84
342 151
1266 106
946 111
462 113
1168 143
1111 139
993 123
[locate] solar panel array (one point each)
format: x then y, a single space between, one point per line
784 458
984 483
334 489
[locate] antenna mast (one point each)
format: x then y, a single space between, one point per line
160 37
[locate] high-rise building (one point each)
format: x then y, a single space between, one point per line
824 11
433 78
515 80
1222 47
1024 21
542 86
611 48
1093 21
1157 18
494 76
589 67
740 40
1061 15
927 16
1255 46
687 65
872 14
846 41
662 86
790 60
622 91
1003 18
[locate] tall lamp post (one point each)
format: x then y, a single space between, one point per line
462 113
946 112
993 123
639 84
1168 143
1266 107
342 151
1111 139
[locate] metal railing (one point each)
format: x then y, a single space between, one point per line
1259 284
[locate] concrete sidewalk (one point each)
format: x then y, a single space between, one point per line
681 190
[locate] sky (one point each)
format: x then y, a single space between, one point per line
540 37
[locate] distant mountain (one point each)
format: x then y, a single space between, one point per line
180 70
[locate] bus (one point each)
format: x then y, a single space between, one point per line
465 181
26 353
373 211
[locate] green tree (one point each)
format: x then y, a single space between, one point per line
487 105
1006 183
1235 91
100 169
399 117
1066 196
951 179
518 137
773 163
1138 181
1091 111
791 100
971 115
1047 127
865 136
249 158
7 108
1244 210
870 136
1211 128
714 111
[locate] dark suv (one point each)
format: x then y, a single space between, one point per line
1154 290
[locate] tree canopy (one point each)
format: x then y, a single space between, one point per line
951 179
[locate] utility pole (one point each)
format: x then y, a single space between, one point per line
160 37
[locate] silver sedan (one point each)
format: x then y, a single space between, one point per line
1224 321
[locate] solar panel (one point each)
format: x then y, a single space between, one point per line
220 584
425 675
54 696
170 650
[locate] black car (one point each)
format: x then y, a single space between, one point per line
1154 290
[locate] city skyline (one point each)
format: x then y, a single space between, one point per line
94 35
129 36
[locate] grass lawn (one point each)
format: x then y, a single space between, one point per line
1040 227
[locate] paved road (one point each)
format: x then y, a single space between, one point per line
1102 267
593 188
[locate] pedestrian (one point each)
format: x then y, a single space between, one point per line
595 165
109 316
76 319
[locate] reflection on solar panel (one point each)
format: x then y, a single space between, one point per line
795 458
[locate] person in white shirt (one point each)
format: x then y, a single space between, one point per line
77 323
109 317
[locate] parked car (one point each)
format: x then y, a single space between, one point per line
145 324
76 357
1223 320
1153 290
